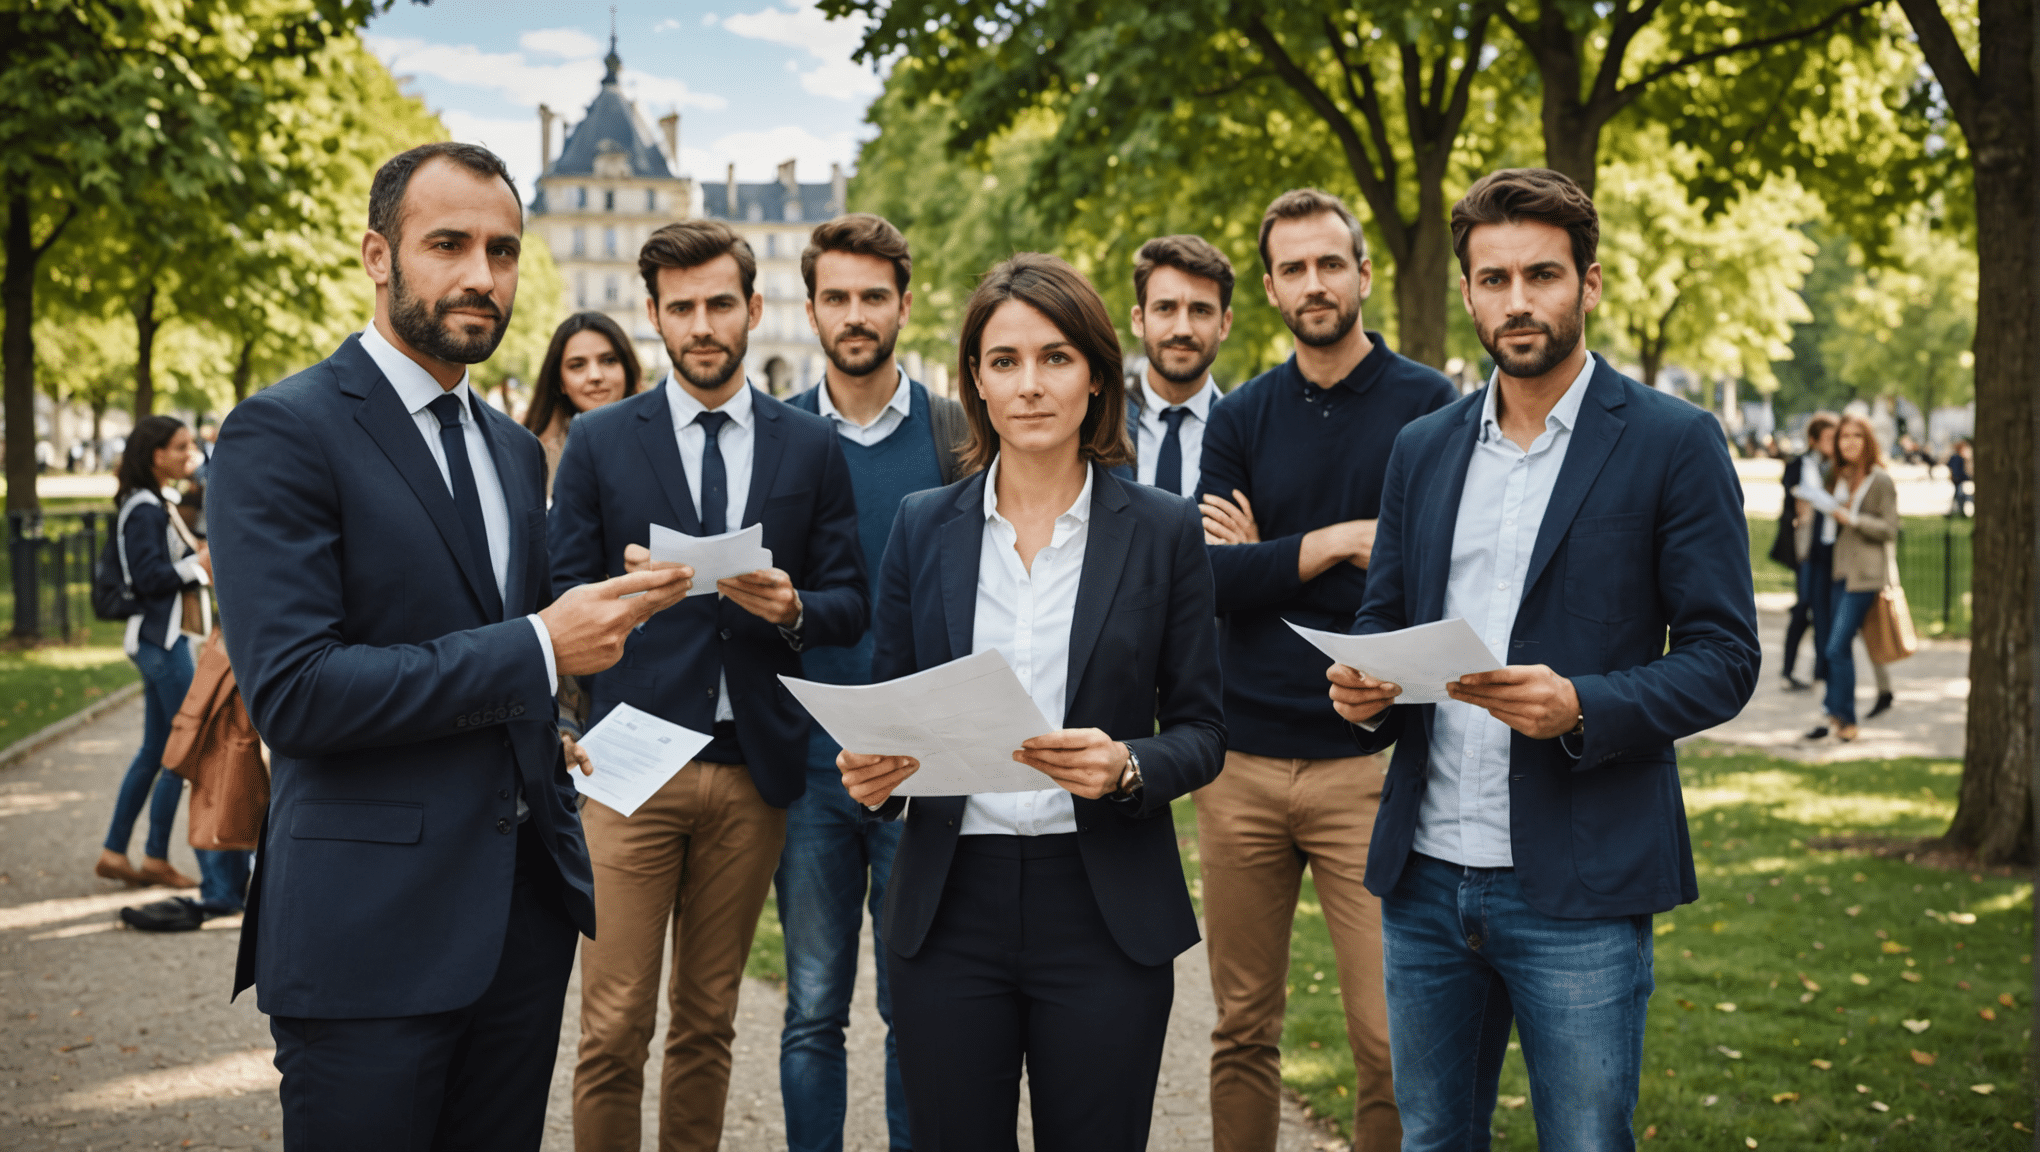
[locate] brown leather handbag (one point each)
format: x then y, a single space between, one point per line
214 745
1888 629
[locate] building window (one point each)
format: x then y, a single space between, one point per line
651 199
609 291
580 196
609 200
580 242
609 242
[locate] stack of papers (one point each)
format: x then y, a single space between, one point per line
962 720
634 754
1822 502
1422 660
713 558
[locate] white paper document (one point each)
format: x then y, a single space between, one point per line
712 557
1823 502
635 753
962 720
1422 659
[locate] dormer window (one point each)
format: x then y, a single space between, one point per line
580 195
609 200
651 200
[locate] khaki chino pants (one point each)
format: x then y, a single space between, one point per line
698 856
1258 824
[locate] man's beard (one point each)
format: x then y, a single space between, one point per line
426 330
733 361
1321 338
1190 376
1558 343
881 350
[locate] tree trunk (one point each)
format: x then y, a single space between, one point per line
19 405
241 369
98 437
1996 815
1422 277
146 324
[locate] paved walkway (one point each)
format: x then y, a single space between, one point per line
118 1039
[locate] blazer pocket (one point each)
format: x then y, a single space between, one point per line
373 821
1610 570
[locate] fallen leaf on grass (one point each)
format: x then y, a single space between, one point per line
1911 977
1864 1088
1806 997
1512 1101
1962 917
1809 985
2005 998
1671 1072
1724 1006
1725 1050
1650 1133
1785 1098
1749 1141
1709 1101
1853 910
2021 1127
1983 1089
1919 1057
1987 1014
1823 1065
1916 1026
1340 1089
1893 948
1685 1003
1858 978
1879 1106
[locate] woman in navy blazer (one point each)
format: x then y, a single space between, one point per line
1040 927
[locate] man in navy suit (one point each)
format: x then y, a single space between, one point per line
1182 313
378 535
703 453
1531 826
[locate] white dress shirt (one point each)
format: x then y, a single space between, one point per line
1027 616
1149 431
416 389
1464 817
887 421
735 440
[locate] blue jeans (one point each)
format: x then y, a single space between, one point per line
166 677
1816 583
1849 610
1464 957
821 884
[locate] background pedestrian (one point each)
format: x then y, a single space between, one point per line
589 363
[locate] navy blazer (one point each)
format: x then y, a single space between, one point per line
1143 667
400 714
1644 537
619 474
153 579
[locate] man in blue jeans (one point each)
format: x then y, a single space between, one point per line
1532 823
898 438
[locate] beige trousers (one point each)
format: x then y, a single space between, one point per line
698 857
1258 824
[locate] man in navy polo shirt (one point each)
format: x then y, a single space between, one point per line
1291 483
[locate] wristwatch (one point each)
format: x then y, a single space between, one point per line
1579 729
1129 778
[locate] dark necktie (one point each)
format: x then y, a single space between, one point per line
715 480
467 499
1169 461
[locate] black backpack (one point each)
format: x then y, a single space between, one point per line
112 597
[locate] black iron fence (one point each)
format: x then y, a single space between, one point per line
1935 562
50 564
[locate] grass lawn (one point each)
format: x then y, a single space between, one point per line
43 684
1811 997
1937 586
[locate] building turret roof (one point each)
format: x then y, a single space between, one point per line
611 125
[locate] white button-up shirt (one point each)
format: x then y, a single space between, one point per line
735 440
1027 616
887 421
416 389
1464 817
1149 431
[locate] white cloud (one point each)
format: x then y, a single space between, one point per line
566 86
667 25
516 141
566 43
758 154
831 42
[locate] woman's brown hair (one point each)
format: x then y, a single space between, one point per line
1062 295
548 395
1871 448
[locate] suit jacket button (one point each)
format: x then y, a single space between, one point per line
502 794
503 825
725 633
711 693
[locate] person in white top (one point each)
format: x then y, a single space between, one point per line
1182 313
1037 928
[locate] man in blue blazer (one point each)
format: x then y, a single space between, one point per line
1591 531
704 453
378 534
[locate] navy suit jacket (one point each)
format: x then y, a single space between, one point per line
1644 538
619 474
400 715
1143 667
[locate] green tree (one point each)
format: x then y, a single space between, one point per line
1906 327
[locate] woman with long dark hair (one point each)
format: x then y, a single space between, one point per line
1038 928
162 562
589 363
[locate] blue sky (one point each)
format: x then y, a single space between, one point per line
756 82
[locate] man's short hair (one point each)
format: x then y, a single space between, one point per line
386 194
690 244
1190 254
1301 204
1513 195
863 234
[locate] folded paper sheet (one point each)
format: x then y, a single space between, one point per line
634 753
962 720
1422 659
712 557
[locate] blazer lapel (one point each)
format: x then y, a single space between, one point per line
765 456
1441 522
1592 441
383 416
1111 537
662 451
963 538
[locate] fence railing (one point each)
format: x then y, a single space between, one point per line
50 568
1935 564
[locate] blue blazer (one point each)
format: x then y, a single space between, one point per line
153 578
620 473
1143 667
401 715
1644 537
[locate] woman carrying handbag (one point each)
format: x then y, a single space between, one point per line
1865 562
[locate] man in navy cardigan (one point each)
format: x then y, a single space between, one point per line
1591 531
702 452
